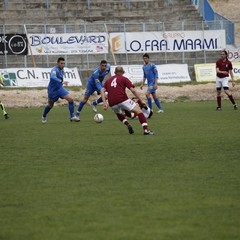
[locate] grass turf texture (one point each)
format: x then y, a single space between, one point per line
93 181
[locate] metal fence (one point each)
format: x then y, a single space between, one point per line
89 61
213 19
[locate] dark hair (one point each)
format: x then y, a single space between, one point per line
226 53
103 62
146 55
60 59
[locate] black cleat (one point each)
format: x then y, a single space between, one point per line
149 132
6 116
130 129
218 109
235 107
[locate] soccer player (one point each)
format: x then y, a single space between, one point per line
223 68
56 91
151 74
147 112
119 101
94 84
1 104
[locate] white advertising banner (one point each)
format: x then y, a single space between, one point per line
207 72
68 43
172 73
167 73
36 77
172 41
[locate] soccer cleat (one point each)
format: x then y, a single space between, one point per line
160 111
44 119
6 116
149 132
130 129
74 119
235 106
218 109
94 106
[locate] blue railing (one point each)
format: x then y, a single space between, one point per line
215 20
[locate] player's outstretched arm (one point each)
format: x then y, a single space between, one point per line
135 93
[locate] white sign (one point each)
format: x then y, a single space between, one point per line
207 72
172 73
167 73
133 72
68 43
36 77
233 54
173 41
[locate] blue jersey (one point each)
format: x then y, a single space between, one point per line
56 79
97 77
150 72
55 86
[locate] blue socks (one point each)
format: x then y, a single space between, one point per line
149 103
80 107
96 102
158 103
46 111
71 108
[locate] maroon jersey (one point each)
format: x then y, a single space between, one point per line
116 86
223 66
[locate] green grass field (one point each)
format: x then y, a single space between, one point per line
68 181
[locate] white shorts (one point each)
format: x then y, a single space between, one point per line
222 82
146 112
126 105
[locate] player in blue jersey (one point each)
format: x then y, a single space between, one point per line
94 83
56 91
151 74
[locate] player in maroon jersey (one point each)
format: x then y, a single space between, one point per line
119 101
223 69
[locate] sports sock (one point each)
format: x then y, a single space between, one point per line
149 102
46 111
157 102
231 99
96 102
80 107
71 108
219 101
143 121
99 100
122 118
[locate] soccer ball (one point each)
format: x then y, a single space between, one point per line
98 118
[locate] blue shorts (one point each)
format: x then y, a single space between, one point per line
151 89
54 96
90 89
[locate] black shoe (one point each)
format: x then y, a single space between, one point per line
218 109
130 129
149 132
6 116
235 106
